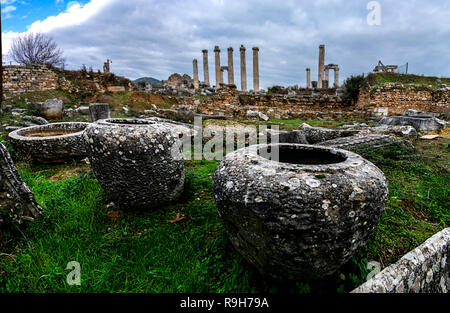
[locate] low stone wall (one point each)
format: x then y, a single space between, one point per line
396 98
423 270
20 79
303 104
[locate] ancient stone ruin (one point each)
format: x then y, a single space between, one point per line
229 68
16 200
138 163
302 217
51 143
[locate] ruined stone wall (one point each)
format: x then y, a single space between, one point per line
310 104
396 98
425 269
20 79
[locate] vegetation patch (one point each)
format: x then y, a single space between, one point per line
182 247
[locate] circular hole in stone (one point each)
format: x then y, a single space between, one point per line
122 121
305 155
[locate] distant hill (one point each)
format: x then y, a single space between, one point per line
149 80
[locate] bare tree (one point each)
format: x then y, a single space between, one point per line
36 48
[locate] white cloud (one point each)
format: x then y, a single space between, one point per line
8 8
157 38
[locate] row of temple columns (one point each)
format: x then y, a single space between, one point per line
323 79
229 68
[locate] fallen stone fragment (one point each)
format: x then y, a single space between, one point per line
16 199
429 137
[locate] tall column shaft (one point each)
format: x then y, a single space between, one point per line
230 66
321 65
336 78
308 78
243 69
327 74
255 69
217 63
195 70
205 67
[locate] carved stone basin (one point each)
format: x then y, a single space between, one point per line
50 143
301 217
138 162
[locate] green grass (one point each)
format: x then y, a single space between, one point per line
380 79
19 101
150 252
326 122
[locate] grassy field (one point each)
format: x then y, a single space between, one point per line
379 79
183 247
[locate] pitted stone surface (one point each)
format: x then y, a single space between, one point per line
16 199
318 134
358 142
298 221
425 269
51 143
294 136
139 163
182 129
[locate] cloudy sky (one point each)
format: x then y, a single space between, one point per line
159 37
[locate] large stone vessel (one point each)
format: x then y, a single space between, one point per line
51 143
302 217
139 163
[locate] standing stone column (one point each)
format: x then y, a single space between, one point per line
195 68
327 74
205 67
308 78
321 65
217 63
230 67
336 77
255 69
243 69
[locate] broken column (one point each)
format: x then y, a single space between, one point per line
205 67
195 69
336 77
327 74
321 65
219 79
230 67
255 69
16 199
308 78
243 69
99 111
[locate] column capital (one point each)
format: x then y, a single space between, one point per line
205 51
216 49
242 48
255 49
230 49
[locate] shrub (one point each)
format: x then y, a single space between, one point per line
351 87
